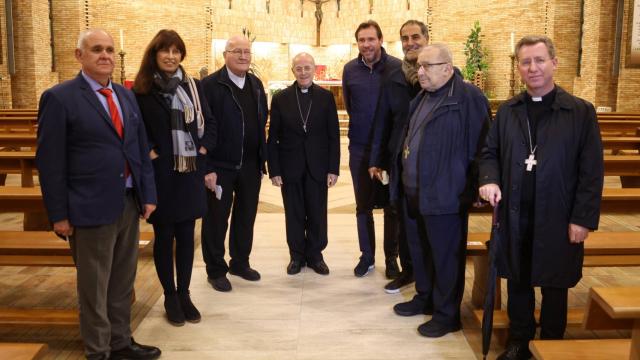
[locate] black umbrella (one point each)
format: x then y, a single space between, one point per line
489 298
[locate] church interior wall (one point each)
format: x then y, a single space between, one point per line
282 32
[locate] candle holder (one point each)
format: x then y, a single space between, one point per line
512 78
123 75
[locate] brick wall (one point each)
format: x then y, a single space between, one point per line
32 52
5 79
204 24
629 78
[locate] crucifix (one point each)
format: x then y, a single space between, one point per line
531 162
318 15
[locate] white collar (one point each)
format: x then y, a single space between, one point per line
239 81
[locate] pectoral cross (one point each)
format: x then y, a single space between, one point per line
405 152
531 162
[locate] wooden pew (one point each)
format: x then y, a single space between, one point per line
621 165
616 143
18 124
17 140
614 200
40 248
618 116
22 351
43 248
19 162
601 249
607 308
18 112
598 349
624 127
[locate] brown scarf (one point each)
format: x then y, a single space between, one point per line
410 70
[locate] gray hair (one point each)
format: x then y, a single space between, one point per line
299 55
234 40
444 52
84 34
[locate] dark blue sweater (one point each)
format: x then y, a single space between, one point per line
361 89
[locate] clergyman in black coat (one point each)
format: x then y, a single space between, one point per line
304 160
542 165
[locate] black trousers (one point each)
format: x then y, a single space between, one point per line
305 210
437 244
240 191
399 210
163 254
363 187
521 301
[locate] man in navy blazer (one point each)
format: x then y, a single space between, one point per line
97 180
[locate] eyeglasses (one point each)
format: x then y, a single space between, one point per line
301 69
240 52
426 66
526 63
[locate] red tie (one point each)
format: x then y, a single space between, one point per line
115 119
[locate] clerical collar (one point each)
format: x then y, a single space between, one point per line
239 81
305 91
546 100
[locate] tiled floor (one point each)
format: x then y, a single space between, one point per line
306 316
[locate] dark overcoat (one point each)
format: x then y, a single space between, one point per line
181 196
448 148
291 149
568 187
389 126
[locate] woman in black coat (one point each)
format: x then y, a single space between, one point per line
181 131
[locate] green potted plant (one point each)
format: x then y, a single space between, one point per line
476 67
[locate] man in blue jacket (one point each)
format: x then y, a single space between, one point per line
446 122
97 179
361 81
238 102
399 87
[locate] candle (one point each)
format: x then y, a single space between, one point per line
122 40
513 49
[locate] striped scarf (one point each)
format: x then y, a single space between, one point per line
183 112
410 70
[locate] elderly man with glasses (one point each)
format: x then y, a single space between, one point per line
442 136
237 99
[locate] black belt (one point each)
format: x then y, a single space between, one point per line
129 191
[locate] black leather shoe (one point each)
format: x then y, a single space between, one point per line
415 306
394 286
247 273
320 267
220 283
136 351
294 267
364 267
392 270
516 351
191 313
172 307
433 329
